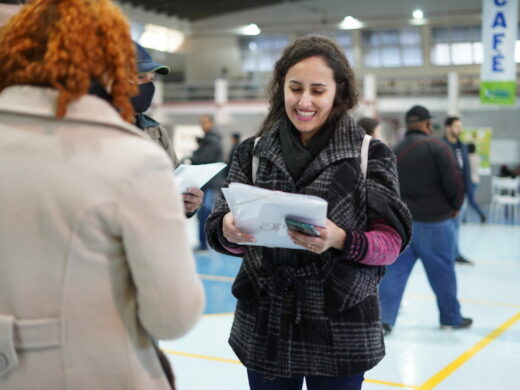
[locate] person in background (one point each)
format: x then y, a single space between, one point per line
235 140
474 162
431 186
147 69
371 126
95 261
313 314
452 130
505 171
208 151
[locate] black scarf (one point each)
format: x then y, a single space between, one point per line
297 156
97 89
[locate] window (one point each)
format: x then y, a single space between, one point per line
260 53
344 39
456 45
392 48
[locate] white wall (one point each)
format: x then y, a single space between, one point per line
206 56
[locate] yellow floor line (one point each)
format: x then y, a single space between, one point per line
218 315
234 361
454 365
217 278
227 279
193 355
393 384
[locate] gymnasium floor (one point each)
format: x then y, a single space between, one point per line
419 355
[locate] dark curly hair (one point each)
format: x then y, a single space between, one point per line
68 44
312 46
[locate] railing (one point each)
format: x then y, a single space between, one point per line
174 91
469 85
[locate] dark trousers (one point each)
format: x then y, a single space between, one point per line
257 382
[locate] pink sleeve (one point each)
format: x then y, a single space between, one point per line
380 245
236 251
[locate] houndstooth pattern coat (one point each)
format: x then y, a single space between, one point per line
300 313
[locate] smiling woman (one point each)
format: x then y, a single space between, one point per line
309 92
313 313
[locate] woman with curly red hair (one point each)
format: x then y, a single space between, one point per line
89 210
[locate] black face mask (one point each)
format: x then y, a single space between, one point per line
143 100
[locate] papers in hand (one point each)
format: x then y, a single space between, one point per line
196 175
262 213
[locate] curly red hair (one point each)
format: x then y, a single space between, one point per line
65 45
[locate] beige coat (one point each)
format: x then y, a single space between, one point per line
94 256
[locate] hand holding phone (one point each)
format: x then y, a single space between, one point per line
302 227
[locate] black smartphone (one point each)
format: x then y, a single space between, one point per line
302 227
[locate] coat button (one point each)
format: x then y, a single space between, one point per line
3 362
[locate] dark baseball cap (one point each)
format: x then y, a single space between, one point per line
417 114
145 62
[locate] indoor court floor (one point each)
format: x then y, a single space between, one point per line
420 355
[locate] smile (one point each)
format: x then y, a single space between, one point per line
305 115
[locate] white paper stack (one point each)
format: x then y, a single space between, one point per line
262 213
196 175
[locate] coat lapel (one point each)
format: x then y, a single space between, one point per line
345 144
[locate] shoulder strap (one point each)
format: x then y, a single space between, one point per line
364 154
254 167
364 157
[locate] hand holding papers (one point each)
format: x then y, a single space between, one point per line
262 213
196 175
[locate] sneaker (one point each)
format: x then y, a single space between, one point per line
463 261
387 328
466 323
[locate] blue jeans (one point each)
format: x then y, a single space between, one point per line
432 242
473 203
257 382
203 214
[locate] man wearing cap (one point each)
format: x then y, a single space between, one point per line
431 186
147 69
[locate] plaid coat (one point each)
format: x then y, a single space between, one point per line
300 313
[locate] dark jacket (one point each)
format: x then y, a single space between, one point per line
466 167
210 151
300 313
429 177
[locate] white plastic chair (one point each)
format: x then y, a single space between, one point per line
505 202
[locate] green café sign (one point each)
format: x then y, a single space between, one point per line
498 71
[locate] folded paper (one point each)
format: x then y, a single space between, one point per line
262 213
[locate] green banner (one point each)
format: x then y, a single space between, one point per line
481 138
498 92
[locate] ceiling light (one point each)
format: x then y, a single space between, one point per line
161 38
250 29
417 14
350 23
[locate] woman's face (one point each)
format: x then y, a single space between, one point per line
309 91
